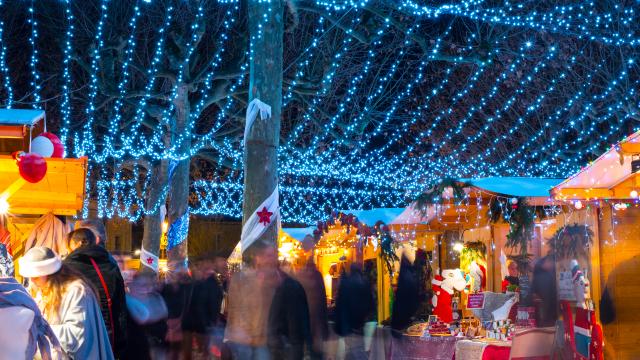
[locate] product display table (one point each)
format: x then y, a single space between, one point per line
478 349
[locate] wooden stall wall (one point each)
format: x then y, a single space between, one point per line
619 237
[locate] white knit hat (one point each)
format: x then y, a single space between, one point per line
39 261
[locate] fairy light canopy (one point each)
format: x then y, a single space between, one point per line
614 175
380 98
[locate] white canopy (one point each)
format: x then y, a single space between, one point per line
609 176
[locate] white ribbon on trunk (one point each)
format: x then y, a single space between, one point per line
260 220
148 259
269 210
255 107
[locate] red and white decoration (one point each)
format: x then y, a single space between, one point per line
149 260
269 210
260 220
443 288
42 146
32 167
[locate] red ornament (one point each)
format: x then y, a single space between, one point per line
32 167
58 147
149 260
265 216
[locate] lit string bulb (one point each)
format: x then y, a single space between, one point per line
87 144
33 62
6 82
65 107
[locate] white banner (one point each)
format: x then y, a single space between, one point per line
149 259
260 220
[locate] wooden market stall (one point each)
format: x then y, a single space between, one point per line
341 241
22 203
477 215
604 196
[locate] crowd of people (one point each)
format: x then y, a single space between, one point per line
87 304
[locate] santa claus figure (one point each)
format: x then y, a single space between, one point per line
478 273
443 288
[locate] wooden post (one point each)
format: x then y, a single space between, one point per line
266 27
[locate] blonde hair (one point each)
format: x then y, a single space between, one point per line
51 294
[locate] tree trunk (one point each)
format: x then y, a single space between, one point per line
260 152
179 181
153 222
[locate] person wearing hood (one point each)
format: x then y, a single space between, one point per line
68 304
95 263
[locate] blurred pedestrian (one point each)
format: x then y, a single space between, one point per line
406 301
203 312
68 303
176 292
543 288
354 304
313 283
288 331
251 292
98 267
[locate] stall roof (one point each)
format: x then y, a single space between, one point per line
609 176
20 117
61 191
299 233
536 189
516 186
371 217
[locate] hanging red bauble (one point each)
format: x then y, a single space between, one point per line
58 147
32 167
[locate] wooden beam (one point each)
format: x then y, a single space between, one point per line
630 148
582 194
11 189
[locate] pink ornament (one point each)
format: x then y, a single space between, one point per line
58 147
32 167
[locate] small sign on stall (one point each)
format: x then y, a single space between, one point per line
475 301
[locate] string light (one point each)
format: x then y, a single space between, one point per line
3 66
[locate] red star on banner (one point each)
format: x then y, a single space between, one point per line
149 260
265 216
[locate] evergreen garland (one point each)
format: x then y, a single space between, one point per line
570 241
387 245
434 194
521 222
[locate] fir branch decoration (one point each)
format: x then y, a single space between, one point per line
387 245
434 194
476 250
521 222
570 241
522 260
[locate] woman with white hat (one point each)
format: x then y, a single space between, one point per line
68 304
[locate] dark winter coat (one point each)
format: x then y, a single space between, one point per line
79 260
406 301
354 303
204 310
288 327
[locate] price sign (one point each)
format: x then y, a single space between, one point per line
475 301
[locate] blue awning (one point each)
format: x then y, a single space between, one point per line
371 217
516 186
27 117
299 233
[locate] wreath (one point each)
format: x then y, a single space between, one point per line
570 241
